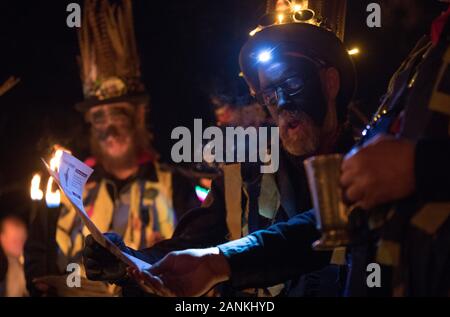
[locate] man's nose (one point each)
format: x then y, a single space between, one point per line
282 99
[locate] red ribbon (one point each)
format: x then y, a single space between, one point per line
438 26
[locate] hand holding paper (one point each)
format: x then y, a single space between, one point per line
71 177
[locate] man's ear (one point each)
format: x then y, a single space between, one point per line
332 83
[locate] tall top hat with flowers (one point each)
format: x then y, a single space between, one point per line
109 62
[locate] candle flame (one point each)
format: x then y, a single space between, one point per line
35 192
56 159
53 198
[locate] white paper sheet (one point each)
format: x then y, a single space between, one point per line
71 178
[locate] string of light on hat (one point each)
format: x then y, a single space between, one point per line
292 11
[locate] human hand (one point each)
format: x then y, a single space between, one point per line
187 273
380 172
100 264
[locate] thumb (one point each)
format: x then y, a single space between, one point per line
89 240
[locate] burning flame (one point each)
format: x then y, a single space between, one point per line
55 161
53 198
36 193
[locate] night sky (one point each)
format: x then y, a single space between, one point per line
184 45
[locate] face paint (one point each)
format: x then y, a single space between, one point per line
104 117
291 88
112 130
293 85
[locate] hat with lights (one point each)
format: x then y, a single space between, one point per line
302 28
109 62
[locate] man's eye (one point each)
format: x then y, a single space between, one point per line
98 117
294 83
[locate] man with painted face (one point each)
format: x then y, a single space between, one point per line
399 173
308 94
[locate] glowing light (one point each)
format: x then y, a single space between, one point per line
252 33
36 193
353 51
201 193
265 56
56 160
280 18
364 133
52 198
297 7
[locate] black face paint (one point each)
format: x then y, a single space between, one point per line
111 130
111 121
293 84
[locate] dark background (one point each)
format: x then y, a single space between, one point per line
184 45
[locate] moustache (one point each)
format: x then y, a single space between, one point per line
110 131
290 113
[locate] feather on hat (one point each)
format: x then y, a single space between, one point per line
109 62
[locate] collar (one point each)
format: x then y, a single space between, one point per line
438 26
146 171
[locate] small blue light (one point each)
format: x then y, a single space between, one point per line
265 56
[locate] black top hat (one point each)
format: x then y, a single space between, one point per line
307 39
110 66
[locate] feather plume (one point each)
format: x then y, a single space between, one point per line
108 46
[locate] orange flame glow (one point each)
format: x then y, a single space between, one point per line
36 193
53 198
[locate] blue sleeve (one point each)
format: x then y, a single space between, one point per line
282 252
